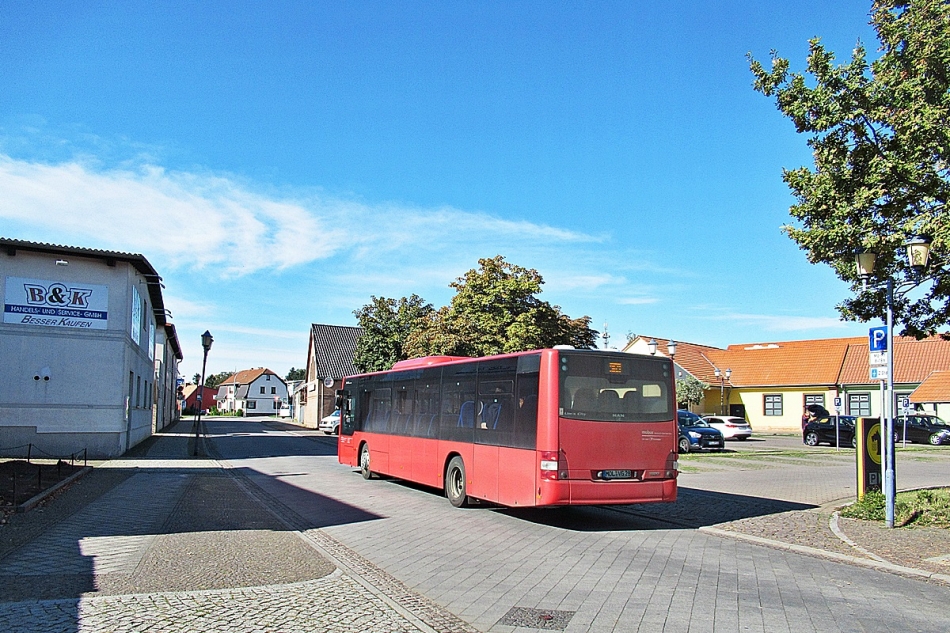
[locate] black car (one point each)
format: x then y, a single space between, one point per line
922 428
696 435
822 431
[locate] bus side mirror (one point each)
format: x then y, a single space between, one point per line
342 401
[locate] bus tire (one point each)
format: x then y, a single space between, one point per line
364 462
455 483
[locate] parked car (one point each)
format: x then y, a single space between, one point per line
696 435
330 424
822 431
922 428
731 427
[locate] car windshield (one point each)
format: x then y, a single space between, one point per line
694 423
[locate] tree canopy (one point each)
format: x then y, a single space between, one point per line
296 374
495 310
214 380
690 390
880 135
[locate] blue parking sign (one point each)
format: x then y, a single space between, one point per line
877 339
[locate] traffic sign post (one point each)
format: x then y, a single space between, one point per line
877 339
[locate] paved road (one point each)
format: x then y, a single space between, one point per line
605 569
275 535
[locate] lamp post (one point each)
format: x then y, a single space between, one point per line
722 388
206 341
918 254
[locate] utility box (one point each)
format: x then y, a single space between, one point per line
867 432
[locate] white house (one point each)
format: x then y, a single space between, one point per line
89 357
255 391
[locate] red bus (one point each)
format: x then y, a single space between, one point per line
540 428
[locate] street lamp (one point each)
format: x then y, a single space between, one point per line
918 254
671 348
206 341
722 388
652 346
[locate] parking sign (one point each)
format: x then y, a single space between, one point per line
877 339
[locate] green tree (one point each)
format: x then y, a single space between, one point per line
495 310
387 323
880 135
690 390
295 374
214 380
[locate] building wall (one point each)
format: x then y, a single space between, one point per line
264 402
66 389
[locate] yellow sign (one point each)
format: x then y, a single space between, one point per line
873 439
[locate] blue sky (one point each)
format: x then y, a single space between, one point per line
280 162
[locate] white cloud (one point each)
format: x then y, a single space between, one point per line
637 301
189 219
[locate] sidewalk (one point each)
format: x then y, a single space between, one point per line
163 540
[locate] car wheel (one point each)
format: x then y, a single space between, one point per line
854 441
455 482
684 445
364 462
811 438
935 439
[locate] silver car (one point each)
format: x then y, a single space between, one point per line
732 428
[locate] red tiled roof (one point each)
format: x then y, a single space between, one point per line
935 388
812 362
246 376
913 360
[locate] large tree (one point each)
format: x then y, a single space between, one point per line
495 310
387 323
880 135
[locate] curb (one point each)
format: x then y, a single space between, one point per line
814 551
31 503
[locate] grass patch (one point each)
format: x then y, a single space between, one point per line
917 508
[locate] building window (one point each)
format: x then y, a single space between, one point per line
251 404
262 390
773 404
815 398
859 404
273 390
267 377
275 404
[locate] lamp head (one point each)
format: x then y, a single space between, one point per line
652 346
207 340
728 373
918 252
671 348
717 373
864 260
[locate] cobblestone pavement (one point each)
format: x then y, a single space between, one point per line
166 542
276 536
611 569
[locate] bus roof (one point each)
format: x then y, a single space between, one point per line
427 361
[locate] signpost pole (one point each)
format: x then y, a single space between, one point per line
890 485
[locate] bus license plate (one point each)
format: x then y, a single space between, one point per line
616 474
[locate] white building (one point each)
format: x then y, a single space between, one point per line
255 391
89 358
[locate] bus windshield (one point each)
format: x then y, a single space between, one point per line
615 387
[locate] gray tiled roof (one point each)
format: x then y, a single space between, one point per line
334 346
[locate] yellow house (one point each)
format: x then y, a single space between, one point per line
770 384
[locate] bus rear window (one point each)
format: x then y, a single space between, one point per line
615 388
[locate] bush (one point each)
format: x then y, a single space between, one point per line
921 507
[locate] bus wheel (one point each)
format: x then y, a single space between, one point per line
455 482
364 462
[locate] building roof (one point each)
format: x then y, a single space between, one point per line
246 376
334 347
814 362
934 388
137 261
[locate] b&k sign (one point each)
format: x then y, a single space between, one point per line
55 304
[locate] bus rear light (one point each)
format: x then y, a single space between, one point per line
549 465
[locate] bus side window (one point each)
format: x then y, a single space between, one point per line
526 413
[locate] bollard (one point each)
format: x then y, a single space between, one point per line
29 452
39 478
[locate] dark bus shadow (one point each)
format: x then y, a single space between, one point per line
693 509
